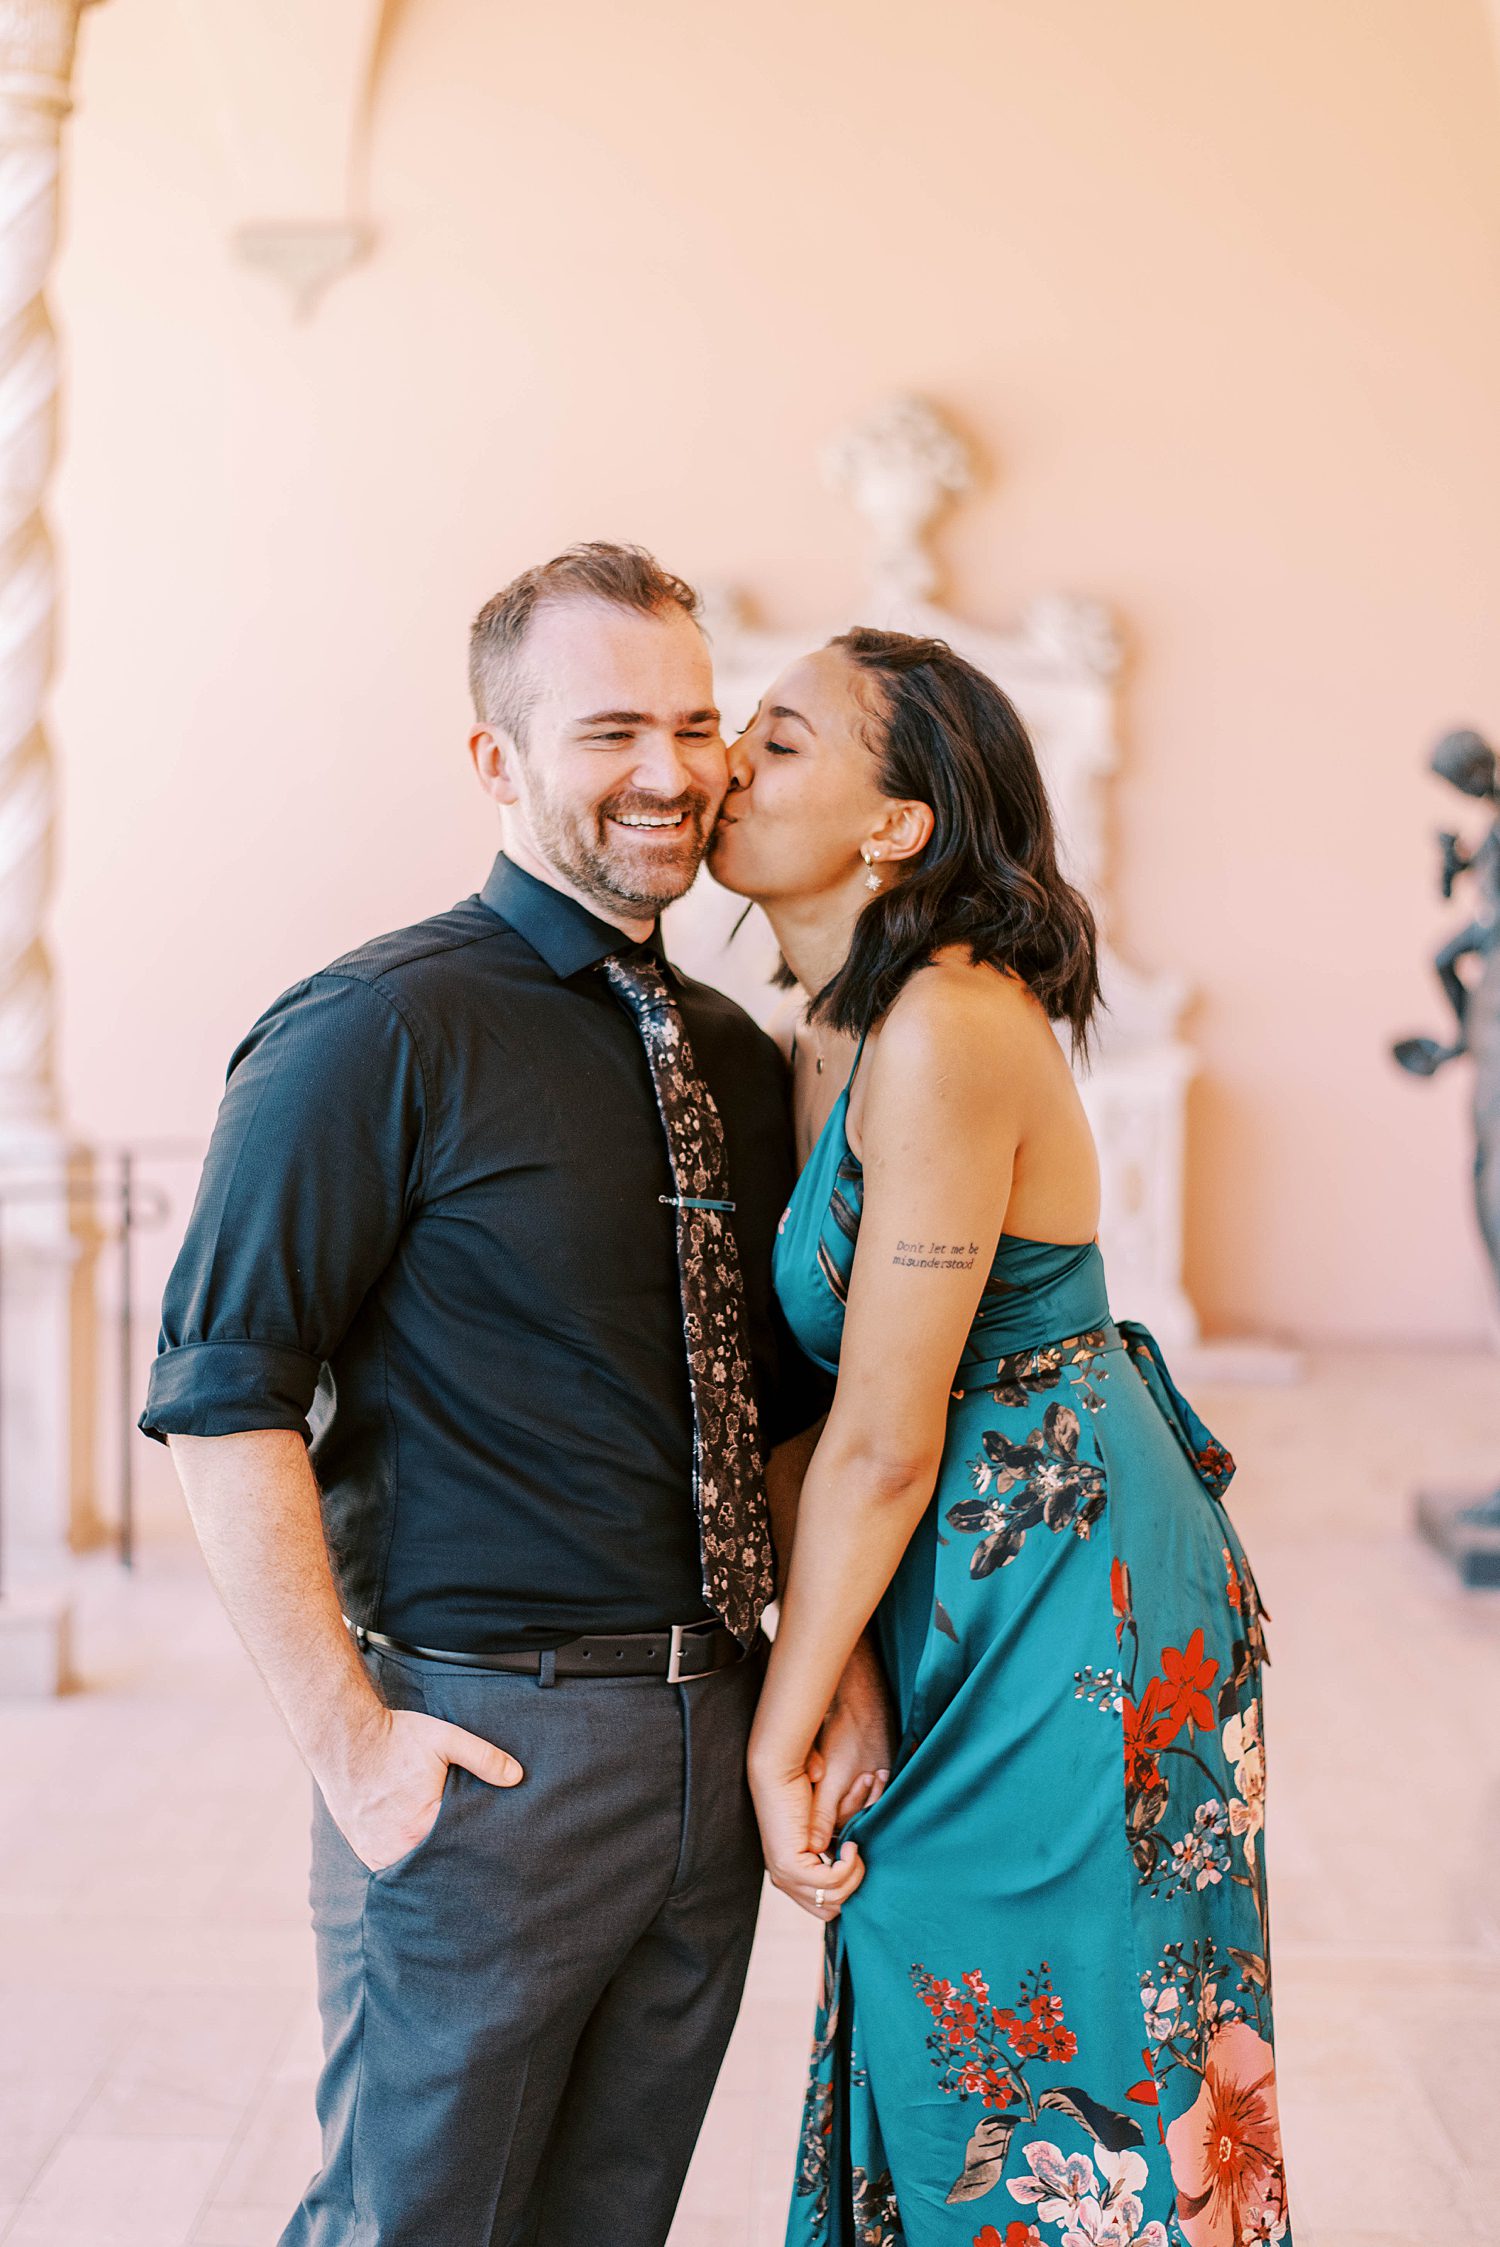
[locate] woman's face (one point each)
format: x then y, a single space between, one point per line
803 796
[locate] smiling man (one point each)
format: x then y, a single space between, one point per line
471 1370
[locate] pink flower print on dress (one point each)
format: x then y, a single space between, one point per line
1226 2150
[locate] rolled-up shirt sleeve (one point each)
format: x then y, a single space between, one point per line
312 1172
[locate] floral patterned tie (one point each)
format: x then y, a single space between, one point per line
729 1492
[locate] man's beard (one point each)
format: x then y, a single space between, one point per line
598 857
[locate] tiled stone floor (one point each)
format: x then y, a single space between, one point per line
157 2045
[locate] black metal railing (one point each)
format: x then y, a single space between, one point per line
106 1182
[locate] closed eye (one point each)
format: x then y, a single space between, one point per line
780 749
628 733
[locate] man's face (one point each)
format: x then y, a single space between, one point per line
621 768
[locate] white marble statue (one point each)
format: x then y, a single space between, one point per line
900 468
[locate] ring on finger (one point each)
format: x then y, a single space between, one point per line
818 1894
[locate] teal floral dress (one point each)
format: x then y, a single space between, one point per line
1046 2013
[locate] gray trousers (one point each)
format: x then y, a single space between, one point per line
523 2019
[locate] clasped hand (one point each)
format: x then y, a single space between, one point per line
799 1811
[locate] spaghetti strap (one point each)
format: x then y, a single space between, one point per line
859 1054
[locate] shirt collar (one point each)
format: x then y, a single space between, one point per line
559 930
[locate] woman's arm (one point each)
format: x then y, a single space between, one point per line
852 1760
940 1132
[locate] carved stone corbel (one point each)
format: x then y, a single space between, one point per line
291 86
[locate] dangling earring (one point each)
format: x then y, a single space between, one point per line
872 879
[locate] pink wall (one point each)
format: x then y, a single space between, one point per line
1218 291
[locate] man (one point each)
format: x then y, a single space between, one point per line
488 1217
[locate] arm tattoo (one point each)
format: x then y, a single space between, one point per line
937 1256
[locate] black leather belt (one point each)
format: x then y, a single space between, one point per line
687 1650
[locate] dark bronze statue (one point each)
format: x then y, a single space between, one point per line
1470 1533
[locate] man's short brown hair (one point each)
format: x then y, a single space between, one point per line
625 576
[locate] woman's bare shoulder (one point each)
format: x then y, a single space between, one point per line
955 1011
947 1066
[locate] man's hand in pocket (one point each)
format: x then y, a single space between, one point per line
386 1796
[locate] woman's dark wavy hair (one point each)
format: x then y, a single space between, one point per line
988 878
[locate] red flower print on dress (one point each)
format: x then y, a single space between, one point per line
1045 2031
1119 1596
1174 1702
1226 2149
1189 1674
983 2083
1215 1464
1148 1727
991 2053
1016 2235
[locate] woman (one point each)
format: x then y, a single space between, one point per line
1046 2016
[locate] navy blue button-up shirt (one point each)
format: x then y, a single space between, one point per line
430 1234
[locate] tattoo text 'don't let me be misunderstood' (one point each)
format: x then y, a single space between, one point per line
936 1256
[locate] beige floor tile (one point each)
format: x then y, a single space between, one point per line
251 2227
301 2053
54 2026
1421 2238
273 2159
117 2192
37 2111
75 1952
190 2065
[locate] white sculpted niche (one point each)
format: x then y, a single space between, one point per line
1059 666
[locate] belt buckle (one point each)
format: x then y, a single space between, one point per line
674 1654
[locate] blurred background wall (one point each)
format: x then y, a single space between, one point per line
1216 292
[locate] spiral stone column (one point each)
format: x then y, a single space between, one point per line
36 63
39 1310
